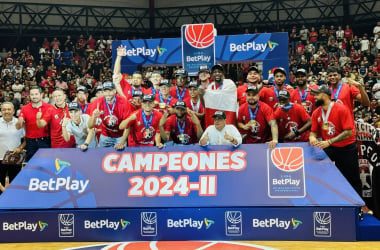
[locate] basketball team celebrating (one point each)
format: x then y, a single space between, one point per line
210 111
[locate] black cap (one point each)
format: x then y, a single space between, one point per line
108 85
219 114
284 94
74 106
253 88
82 88
180 104
301 71
148 98
253 68
164 82
193 84
322 89
100 87
279 69
181 72
204 68
138 93
217 66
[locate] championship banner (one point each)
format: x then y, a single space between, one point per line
198 46
224 176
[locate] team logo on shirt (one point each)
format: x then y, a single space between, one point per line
147 133
184 138
111 121
331 130
292 126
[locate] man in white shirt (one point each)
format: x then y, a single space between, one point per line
221 133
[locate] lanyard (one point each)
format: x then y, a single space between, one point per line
181 95
181 129
304 95
167 100
337 92
253 114
110 111
146 122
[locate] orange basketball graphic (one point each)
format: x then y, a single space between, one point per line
287 159
200 35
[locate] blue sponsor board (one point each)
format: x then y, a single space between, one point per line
298 223
271 48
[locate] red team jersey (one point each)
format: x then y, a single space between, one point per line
268 95
307 100
261 131
179 95
189 135
347 95
29 115
110 122
241 93
197 107
54 119
340 119
291 121
143 136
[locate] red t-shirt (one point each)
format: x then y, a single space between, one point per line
339 120
268 95
85 108
292 120
29 114
347 95
145 136
110 123
181 95
348 34
189 134
261 131
309 102
197 107
54 119
313 36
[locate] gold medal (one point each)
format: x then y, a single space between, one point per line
181 137
162 105
252 123
304 104
325 126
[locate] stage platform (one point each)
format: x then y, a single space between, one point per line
216 193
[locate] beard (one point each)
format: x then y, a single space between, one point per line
180 116
301 83
253 102
319 102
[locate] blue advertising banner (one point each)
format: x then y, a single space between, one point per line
215 176
198 46
271 48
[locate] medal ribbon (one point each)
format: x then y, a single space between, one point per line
337 92
287 106
253 114
304 95
146 122
181 95
163 101
325 117
196 107
181 129
110 111
85 108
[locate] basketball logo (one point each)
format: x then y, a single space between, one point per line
287 159
200 36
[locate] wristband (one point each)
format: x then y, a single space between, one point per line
297 133
86 144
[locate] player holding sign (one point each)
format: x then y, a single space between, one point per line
54 119
183 128
111 109
143 124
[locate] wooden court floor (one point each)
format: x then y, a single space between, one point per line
285 245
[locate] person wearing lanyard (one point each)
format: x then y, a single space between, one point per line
292 119
111 109
302 92
220 133
332 122
82 97
183 128
163 100
255 120
194 103
346 93
180 91
78 126
270 95
10 139
143 124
